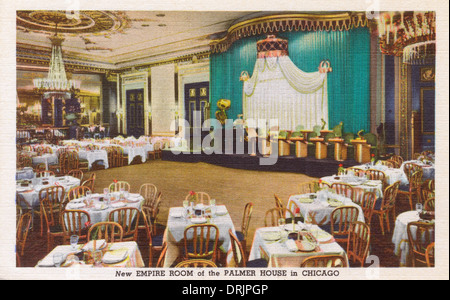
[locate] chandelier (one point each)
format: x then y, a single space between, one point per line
56 84
411 35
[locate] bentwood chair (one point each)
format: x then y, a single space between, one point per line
199 197
274 214
341 219
429 255
149 192
395 164
429 204
77 192
415 181
386 163
128 218
109 231
55 199
242 234
377 175
324 261
155 242
73 223
343 189
368 205
239 255
162 256
420 236
427 190
196 263
201 241
398 159
52 224
358 242
22 230
308 187
77 173
384 207
45 174
90 182
116 186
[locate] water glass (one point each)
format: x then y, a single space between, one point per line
97 256
74 241
88 195
282 223
419 208
58 259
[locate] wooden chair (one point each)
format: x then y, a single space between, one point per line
429 205
308 187
429 255
356 171
410 168
52 225
274 214
415 181
427 190
128 218
77 173
343 189
72 221
155 211
116 186
242 234
90 182
199 197
22 230
415 156
340 220
377 175
386 163
162 256
155 242
368 205
386 206
55 196
109 231
395 164
239 255
324 261
45 174
196 263
77 192
156 152
201 241
419 239
358 242
149 192
398 159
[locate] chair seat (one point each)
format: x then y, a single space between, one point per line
56 229
240 236
378 204
403 187
157 240
257 263
190 247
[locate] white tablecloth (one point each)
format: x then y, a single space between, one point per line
99 212
94 155
400 235
47 159
277 253
174 234
25 173
133 151
428 170
320 209
392 174
31 193
368 185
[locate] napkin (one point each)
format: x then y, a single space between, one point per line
115 256
221 210
198 220
90 245
291 245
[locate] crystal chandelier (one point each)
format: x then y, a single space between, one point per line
411 35
56 84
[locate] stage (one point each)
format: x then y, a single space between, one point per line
309 165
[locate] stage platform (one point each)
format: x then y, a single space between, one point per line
309 165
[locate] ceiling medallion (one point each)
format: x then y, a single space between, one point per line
84 22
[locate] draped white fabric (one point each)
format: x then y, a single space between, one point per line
279 90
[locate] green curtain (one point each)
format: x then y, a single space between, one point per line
348 83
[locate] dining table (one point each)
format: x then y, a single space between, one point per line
116 255
400 235
94 155
28 189
98 208
286 246
392 174
46 158
179 219
375 186
318 206
428 168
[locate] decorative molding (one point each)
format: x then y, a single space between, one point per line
403 110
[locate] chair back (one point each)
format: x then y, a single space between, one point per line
386 163
368 205
55 196
162 256
90 183
343 189
200 241
149 191
389 196
358 242
77 173
341 218
377 175
199 197
395 164
238 251
77 192
22 230
429 255
409 169
325 261
196 263
415 181
147 213
398 159
248 210
116 186
308 187
429 204
274 214
109 231
420 236
128 218
73 223
45 173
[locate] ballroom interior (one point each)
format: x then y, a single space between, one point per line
246 106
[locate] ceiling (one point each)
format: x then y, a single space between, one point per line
120 39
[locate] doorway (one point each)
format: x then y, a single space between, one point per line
135 112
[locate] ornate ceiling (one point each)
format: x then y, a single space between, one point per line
117 39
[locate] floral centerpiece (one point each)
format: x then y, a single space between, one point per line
372 160
341 169
192 197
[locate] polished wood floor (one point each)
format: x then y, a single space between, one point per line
231 187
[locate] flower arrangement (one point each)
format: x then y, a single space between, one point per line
341 169
372 160
192 196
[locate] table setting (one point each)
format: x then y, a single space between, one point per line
29 189
289 244
392 174
190 214
375 186
320 205
118 254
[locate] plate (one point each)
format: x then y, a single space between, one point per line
76 205
221 211
306 200
198 220
334 203
306 246
115 256
271 235
321 236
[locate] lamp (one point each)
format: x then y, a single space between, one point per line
411 35
56 83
